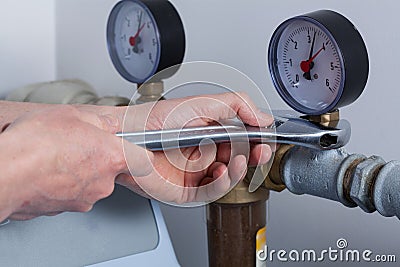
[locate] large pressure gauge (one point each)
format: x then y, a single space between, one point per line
144 37
318 62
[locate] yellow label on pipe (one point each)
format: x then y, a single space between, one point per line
261 242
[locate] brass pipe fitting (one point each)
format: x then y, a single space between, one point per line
273 180
241 195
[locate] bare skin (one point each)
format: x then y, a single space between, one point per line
58 158
61 159
174 182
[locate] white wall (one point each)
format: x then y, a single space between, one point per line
27 43
82 47
235 33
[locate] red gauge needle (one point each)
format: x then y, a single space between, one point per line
132 40
306 65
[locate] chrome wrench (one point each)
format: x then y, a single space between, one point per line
286 129
293 131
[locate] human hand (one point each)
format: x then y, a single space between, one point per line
62 159
196 174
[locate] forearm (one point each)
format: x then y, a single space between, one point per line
6 205
8 177
9 111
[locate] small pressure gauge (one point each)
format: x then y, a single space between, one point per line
145 37
318 62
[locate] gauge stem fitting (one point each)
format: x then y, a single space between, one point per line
150 92
329 119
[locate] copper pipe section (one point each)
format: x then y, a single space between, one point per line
232 230
233 223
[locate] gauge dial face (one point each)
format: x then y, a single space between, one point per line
306 66
134 41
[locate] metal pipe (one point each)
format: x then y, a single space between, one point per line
351 179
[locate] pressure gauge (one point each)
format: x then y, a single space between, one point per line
145 37
318 62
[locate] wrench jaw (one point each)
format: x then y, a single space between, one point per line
338 138
298 131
